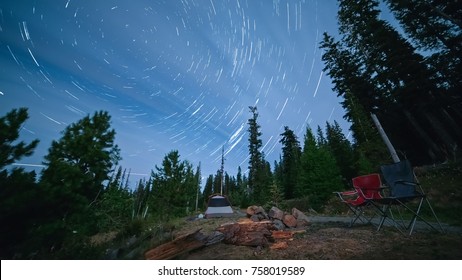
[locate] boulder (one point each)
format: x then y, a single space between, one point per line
276 213
299 215
302 223
254 210
279 224
254 218
289 221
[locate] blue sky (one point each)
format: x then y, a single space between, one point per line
172 74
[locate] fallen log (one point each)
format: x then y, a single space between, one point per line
178 246
280 234
247 233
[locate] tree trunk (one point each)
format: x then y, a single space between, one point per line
449 143
385 139
247 233
433 150
180 245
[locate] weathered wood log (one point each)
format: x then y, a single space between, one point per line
178 246
247 233
214 237
280 234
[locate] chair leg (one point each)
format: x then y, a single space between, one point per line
417 215
414 217
384 215
434 215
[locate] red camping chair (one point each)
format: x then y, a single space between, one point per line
366 188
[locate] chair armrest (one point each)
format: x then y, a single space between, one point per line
406 182
347 193
344 194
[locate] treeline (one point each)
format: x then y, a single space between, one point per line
311 170
411 81
82 191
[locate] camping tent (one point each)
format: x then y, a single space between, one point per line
218 206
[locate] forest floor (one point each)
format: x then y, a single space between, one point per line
331 238
328 235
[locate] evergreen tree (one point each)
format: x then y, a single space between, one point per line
290 162
388 76
141 199
82 159
208 189
114 208
10 126
76 167
319 174
369 150
174 187
19 193
258 176
342 151
238 195
433 25
198 179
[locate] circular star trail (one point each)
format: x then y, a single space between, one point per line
174 75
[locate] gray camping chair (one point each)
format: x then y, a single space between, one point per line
403 190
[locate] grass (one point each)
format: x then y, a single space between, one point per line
442 185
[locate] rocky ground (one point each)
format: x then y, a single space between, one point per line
330 238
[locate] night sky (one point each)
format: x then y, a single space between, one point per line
172 74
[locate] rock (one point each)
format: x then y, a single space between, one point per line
276 213
256 210
302 223
279 224
302 219
254 218
289 221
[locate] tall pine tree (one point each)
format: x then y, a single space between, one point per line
290 162
259 177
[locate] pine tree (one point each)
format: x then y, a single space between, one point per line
141 199
342 151
290 162
238 195
208 189
368 149
83 158
10 126
389 77
257 166
76 167
319 174
174 187
114 208
20 203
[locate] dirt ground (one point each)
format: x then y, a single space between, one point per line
333 241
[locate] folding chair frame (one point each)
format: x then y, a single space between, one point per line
356 204
366 187
384 205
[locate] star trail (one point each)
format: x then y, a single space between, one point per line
172 74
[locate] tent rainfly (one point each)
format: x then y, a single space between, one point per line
218 206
